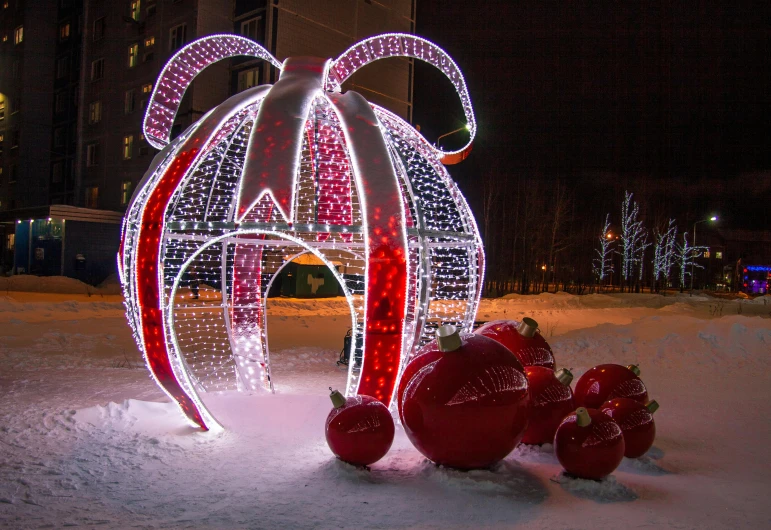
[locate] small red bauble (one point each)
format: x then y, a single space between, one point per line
550 401
522 339
465 403
636 422
608 381
359 429
589 444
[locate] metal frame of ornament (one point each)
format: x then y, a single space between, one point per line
276 172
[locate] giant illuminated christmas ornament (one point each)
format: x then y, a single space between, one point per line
276 172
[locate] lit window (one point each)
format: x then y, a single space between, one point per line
149 41
718 255
98 28
136 9
64 31
5 37
18 35
2 109
706 253
95 112
177 37
92 154
252 28
92 197
5 5
128 146
133 55
146 89
125 192
129 102
10 239
247 79
97 69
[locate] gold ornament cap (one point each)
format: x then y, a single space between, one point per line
527 327
338 400
448 338
564 376
634 368
582 417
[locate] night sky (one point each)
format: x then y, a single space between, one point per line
673 103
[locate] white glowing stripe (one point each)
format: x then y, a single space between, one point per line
356 171
179 72
404 45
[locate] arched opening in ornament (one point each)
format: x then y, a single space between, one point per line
309 315
259 310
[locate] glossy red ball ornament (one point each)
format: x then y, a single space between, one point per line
636 422
551 399
522 338
589 444
359 429
608 381
465 401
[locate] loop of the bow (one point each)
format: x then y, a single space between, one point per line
179 72
405 45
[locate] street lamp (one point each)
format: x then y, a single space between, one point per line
713 219
466 127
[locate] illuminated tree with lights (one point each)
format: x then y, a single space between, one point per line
664 255
634 241
277 172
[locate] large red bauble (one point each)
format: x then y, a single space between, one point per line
465 408
636 422
593 451
608 381
361 431
550 401
531 351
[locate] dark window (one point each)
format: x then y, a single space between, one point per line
59 137
60 102
177 37
56 172
92 154
97 69
62 67
129 101
99 28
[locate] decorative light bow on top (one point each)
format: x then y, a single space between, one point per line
276 172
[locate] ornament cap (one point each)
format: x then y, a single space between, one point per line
652 406
582 417
448 338
527 327
634 368
564 376
338 400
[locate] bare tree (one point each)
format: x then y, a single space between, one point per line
663 255
686 257
634 241
603 263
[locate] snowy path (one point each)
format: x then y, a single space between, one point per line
87 440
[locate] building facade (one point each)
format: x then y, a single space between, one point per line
82 71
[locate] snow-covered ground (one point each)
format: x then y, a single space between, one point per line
86 438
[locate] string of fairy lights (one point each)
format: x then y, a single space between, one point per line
216 272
